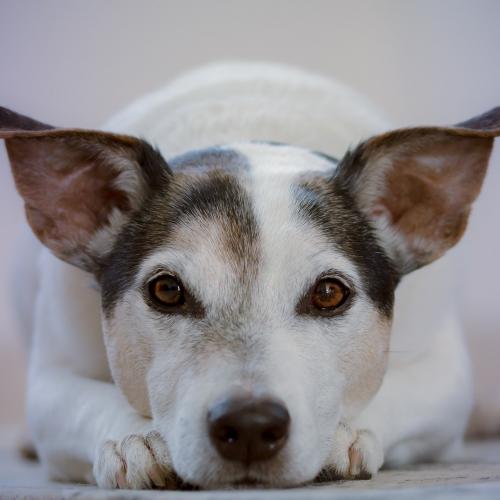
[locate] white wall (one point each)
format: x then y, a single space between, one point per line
426 61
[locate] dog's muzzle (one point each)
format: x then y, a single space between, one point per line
248 430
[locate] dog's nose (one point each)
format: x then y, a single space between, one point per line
248 430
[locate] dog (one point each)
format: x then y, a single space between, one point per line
229 294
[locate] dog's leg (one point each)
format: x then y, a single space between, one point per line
83 427
70 415
422 408
86 431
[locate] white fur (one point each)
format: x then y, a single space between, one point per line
79 417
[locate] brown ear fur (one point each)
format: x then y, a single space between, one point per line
74 182
417 185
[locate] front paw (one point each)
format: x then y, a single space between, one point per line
355 455
135 462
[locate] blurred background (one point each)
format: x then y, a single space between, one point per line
422 62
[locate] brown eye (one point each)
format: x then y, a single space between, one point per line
329 293
166 290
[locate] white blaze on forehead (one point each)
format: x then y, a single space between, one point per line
293 252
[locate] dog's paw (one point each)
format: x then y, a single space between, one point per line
135 462
355 455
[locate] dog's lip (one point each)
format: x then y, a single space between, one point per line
253 482
247 481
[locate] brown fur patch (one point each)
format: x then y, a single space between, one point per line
433 204
325 203
195 198
68 179
425 180
68 194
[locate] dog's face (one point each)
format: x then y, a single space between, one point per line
247 290
250 274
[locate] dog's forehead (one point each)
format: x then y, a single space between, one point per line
237 215
307 220
253 158
252 216
232 214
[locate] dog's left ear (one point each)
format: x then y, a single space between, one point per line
417 185
79 186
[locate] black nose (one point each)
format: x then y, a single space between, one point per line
247 430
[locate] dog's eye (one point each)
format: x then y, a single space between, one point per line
329 294
166 290
328 297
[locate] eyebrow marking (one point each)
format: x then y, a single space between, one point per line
205 185
324 203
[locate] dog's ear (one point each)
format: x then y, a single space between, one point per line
417 185
79 186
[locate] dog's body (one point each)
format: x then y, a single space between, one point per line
246 255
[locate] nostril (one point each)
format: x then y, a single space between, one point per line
226 434
247 429
273 435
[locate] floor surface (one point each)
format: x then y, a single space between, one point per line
479 478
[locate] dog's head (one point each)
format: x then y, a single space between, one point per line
247 290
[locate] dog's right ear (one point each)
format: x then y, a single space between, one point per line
79 186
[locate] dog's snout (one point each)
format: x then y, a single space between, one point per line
248 430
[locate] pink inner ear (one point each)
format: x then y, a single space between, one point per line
424 209
69 192
427 197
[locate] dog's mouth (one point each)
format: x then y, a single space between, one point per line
252 482
243 483
249 479
326 475
247 482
